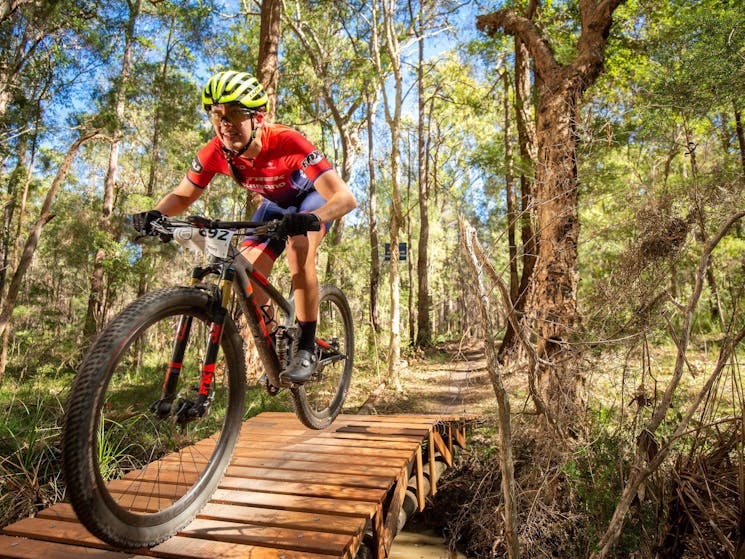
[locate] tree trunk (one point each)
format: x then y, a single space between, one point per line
266 71
553 295
96 301
526 142
740 135
17 177
424 322
374 235
393 118
509 188
411 312
147 252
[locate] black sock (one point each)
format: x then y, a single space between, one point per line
307 335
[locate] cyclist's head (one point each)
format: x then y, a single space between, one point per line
234 87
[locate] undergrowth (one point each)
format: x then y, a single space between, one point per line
564 499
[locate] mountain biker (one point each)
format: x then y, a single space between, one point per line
297 182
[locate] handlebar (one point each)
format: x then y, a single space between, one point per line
165 226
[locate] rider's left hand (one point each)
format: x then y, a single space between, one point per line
299 224
143 221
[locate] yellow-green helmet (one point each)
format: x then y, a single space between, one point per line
234 87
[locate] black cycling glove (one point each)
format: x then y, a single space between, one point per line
143 221
299 224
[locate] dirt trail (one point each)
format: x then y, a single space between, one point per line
452 380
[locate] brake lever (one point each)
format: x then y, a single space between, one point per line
270 229
200 222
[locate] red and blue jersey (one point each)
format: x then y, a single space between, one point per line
283 172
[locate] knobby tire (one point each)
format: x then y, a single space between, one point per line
135 480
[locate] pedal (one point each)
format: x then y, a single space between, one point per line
270 388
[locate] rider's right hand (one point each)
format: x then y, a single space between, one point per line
143 221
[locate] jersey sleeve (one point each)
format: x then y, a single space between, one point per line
304 155
206 165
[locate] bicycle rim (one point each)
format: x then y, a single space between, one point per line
319 400
135 478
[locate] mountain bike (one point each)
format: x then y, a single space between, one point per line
157 404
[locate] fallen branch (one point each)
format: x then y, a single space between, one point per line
506 463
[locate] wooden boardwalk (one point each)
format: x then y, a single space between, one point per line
289 493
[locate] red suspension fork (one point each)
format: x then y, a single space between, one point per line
213 338
170 385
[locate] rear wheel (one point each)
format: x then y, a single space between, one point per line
320 399
138 468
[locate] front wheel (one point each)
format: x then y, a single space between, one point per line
139 466
320 399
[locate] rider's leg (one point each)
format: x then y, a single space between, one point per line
301 259
262 252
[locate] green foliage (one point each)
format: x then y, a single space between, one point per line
594 474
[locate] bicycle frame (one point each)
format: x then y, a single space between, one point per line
236 274
244 289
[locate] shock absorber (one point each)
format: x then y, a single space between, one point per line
283 344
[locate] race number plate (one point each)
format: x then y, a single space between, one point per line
212 241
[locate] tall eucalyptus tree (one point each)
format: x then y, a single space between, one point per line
553 300
96 302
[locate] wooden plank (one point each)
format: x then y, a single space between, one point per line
331 467
442 447
301 503
344 480
274 537
55 531
325 457
432 471
415 439
377 536
460 435
267 418
307 541
339 448
139 494
24 548
390 524
331 523
292 488
418 419
180 547
420 480
175 473
357 436
291 427
251 515
384 430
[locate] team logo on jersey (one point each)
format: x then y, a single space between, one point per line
312 159
196 166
